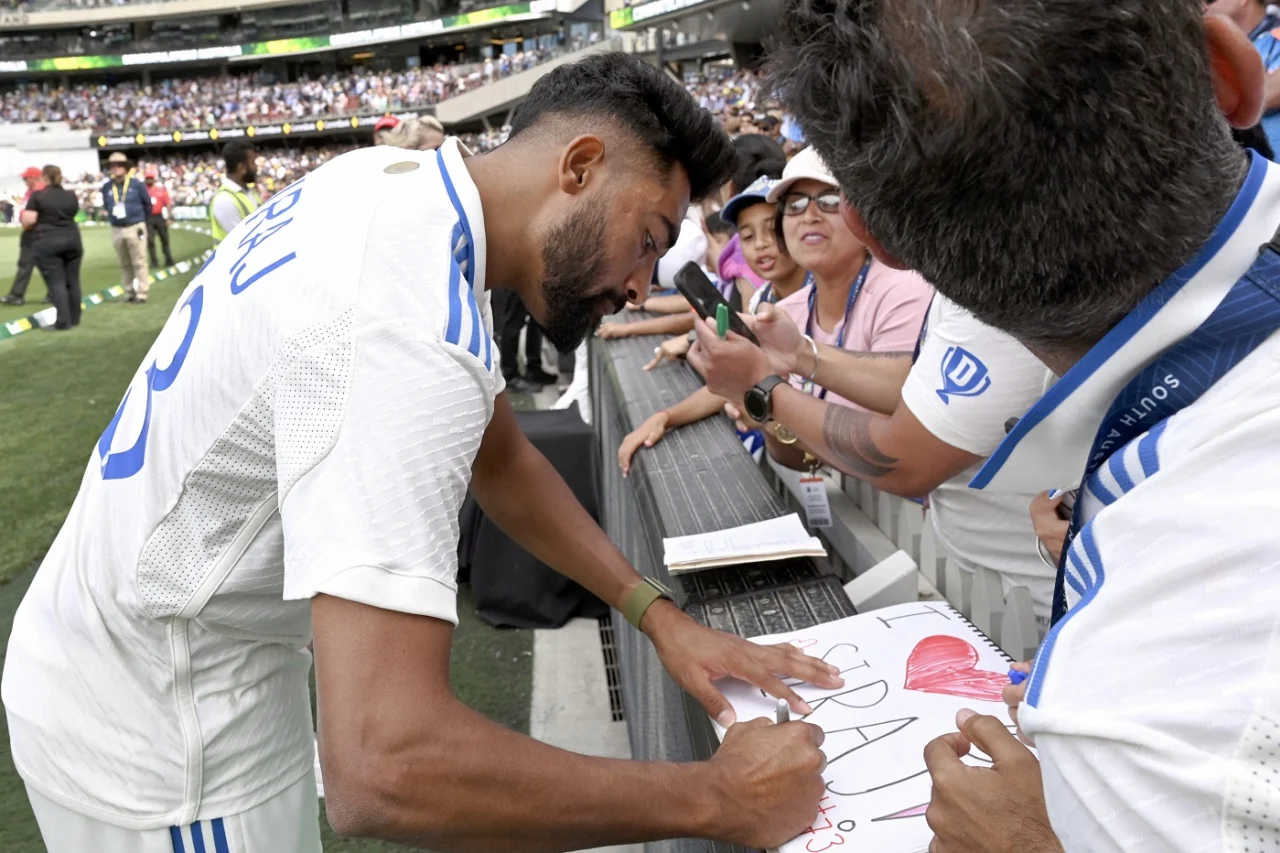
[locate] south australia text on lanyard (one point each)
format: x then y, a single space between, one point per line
1246 316
854 290
117 209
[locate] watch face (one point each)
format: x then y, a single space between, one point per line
756 403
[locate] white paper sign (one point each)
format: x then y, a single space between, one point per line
907 670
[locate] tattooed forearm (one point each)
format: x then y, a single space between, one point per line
847 434
895 354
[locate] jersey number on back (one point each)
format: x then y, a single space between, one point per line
126 463
263 224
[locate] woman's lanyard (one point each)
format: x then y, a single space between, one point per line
854 290
1268 23
771 296
115 191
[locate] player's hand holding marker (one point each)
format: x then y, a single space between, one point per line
770 778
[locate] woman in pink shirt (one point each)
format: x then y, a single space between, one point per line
857 303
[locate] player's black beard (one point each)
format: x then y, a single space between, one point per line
573 262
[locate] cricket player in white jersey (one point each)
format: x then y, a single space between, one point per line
289 462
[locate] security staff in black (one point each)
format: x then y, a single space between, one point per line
127 202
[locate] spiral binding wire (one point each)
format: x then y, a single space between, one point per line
981 634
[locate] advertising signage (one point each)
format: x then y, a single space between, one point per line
252 131
527 10
620 19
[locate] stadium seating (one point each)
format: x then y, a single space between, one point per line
181 103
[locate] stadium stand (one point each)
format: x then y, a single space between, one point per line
225 101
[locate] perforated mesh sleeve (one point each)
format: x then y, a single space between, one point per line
375 518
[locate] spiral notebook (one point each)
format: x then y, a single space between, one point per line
907 669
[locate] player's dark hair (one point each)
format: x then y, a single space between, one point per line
646 102
237 153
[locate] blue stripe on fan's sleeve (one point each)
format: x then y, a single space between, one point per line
175 836
1116 465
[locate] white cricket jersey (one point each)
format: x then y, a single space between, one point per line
305 423
1155 701
967 382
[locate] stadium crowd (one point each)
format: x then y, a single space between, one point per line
187 102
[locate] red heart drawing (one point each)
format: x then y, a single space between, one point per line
949 665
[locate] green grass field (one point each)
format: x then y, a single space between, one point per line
58 390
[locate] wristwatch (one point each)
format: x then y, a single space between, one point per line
643 596
758 401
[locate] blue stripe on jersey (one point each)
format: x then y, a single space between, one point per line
1147 449
197 838
460 246
1119 471
453 328
175 836
462 218
1087 542
220 837
1098 490
1080 579
462 255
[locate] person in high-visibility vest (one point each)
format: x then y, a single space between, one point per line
233 201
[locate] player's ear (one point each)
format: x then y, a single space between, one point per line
580 163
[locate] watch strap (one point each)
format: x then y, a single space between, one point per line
641 598
765 389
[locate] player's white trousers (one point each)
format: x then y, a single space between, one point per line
286 823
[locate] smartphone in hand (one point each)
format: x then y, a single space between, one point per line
704 296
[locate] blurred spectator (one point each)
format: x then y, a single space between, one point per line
421 133
158 216
234 201
128 204
26 258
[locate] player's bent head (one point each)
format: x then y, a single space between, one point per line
630 150
1043 162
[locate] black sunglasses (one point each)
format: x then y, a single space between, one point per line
794 204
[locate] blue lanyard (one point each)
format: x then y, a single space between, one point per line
1268 22
854 290
771 297
1247 316
924 331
